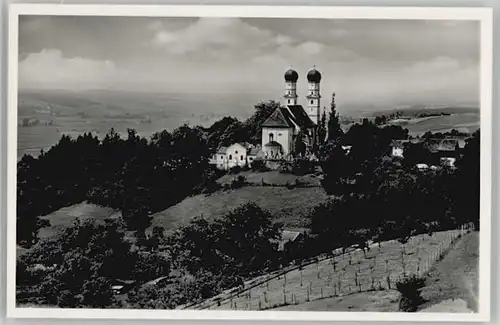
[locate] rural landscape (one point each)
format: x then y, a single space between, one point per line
234 201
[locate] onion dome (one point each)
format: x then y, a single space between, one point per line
291 75
314 75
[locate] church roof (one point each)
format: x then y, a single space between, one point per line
288 117
253 151
279 118
300 117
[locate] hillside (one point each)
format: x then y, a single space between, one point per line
353 281
287 205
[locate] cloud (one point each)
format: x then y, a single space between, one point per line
363 61
48 68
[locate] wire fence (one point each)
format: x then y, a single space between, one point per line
378 268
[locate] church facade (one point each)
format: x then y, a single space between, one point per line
280 130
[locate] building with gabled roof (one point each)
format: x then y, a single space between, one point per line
236 155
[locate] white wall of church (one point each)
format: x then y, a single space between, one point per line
281 135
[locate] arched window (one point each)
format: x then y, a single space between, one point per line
312 101
241 157
271 137
230 157
289 101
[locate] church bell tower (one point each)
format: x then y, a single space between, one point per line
291 77
313 95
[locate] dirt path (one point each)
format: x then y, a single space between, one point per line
455 278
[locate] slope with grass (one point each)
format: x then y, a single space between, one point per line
66 217
286 205
455 278
451 286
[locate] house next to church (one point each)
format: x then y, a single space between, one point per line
237 154
280 130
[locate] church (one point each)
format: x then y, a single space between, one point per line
280 130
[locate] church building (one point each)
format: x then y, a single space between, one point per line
280 130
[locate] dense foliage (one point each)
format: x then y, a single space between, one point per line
134 175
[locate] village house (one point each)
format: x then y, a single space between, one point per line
445 151
237 154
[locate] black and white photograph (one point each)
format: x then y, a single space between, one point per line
267 161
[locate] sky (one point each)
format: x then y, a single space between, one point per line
365 62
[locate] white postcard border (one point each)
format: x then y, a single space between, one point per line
483 15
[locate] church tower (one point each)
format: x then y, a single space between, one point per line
291 77
313 95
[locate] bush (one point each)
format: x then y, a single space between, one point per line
410 290
259 165
238 182
235 170
302 167
285 168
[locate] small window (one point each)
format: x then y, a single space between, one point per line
312 101
250 158
279 134
289 101
230 157
236 152
271 137
241 157
221 157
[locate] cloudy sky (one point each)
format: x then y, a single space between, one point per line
363 61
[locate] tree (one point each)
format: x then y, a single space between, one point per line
79 264
249 239
334 129
322 130
300 147
468 181
415 153
335 164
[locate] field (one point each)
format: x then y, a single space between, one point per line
341 276
467 122
65 217
286 205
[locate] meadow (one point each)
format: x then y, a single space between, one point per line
286 205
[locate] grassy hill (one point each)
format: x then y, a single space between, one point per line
287 205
